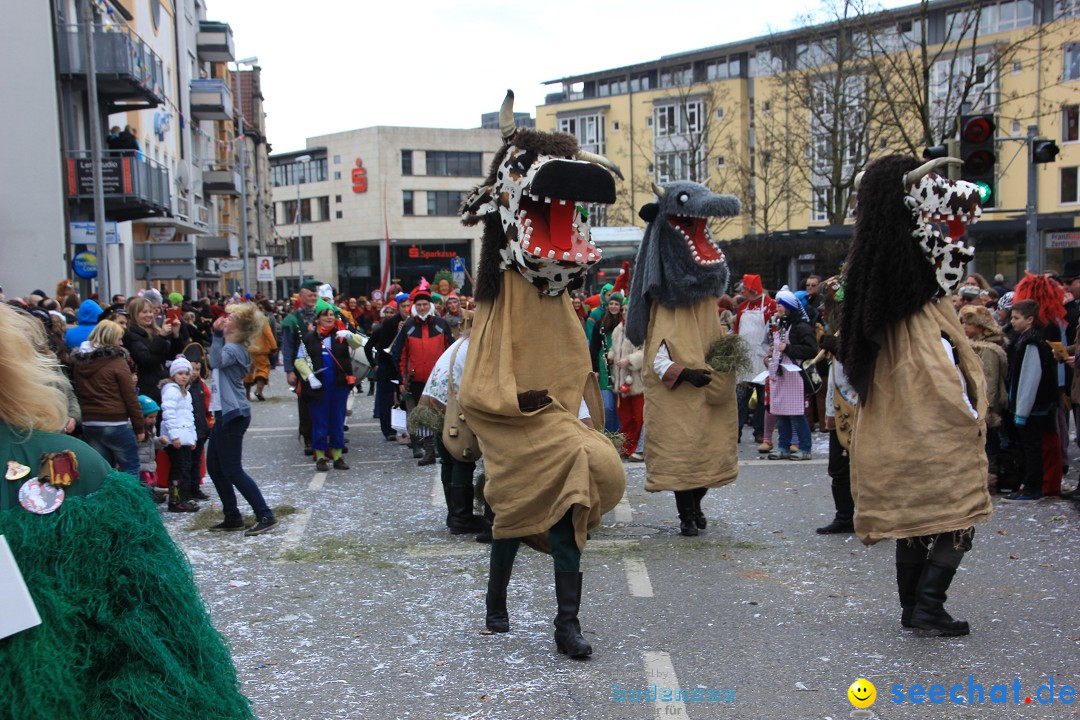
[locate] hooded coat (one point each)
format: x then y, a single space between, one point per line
87 317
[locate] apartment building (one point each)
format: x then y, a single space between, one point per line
786 121
375 203
171 195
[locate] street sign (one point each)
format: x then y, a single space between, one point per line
265 268
85 233
228 266
457 270
85 265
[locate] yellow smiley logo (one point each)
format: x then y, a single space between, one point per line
862 693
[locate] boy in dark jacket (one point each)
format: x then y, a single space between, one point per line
1032 394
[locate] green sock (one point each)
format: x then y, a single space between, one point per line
320 454
335 453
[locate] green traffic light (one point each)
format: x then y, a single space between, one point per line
984 191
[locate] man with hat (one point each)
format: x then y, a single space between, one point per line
1070 278
752 319
423 338
293 328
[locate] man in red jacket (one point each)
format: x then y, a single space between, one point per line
423 338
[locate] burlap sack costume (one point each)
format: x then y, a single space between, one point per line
690 432
538 464
918 466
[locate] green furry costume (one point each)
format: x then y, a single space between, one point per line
124 632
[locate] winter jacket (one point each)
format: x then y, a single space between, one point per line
105 388
148 450
995 368
150 355
623 348
419 345
200 403
311 361
87 317
1033 386
178 415
381 342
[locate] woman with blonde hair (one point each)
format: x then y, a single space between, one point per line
231 361
114 594
150 346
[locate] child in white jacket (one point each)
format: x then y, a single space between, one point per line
178 431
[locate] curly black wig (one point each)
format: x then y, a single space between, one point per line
887 276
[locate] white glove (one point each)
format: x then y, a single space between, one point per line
314 382
343 335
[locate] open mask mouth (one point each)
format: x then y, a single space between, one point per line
956 223
555 229
695 231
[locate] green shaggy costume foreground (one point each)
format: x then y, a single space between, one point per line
124 633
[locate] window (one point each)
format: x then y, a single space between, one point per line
444 203
294 255
337 198
717 69
337 159
677 77
678 119
292 173
588 129
407 202
337 174
598 215
406 162
1069 194
719 162
449 163
679 165
324 207
720 114
822 202
1070 119
338 214
289 214
615 126
643 81
614 86
1068 8
1072 61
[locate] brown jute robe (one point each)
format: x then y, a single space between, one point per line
689 432
543 463
918 463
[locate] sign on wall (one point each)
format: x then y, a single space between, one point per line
359 177
264 265
85 233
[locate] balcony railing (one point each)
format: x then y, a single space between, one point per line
134 185
211 99
127 69
221 180
214 42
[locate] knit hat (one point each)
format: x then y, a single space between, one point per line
436 298
195 353
175 298
326 292
787 298
148 405
420 293
617 296
179 364
980 317
969 292
322 306
753 283
400 297
153 296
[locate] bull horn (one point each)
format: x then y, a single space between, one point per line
599 160
928 167
658 190
506 116
858 179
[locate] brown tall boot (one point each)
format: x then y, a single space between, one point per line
259 385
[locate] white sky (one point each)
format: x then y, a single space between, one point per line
335 65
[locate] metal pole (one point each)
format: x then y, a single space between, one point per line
1034 254
243 196
95 153
299 226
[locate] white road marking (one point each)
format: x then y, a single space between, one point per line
296 530
437 498
637 577
784 463
659 670
317 481
623 513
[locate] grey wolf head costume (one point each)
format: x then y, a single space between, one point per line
899 259
678 263
532 205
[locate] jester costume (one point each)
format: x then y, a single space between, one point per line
528 375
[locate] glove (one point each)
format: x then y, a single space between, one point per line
343 335
697 378
314 382
1020 421
532 400
830 344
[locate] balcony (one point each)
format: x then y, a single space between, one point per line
214 42
135 186
222 180
218 243
129 73
211 100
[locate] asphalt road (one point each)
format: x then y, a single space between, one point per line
361 604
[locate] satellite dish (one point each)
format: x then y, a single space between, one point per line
183 178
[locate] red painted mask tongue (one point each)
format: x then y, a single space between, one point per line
956 229
560 222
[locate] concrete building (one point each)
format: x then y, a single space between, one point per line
360 187
757 118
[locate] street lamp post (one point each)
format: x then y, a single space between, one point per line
243 172
301 163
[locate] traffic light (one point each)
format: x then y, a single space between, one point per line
977 150
947 149
1044 151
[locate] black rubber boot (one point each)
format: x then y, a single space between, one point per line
498 619
929 612
428 445
568 638
684 503
446 496
414 445
462 520
910 558
699 517
485 535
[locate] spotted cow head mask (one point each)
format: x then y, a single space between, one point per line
540 184
934 200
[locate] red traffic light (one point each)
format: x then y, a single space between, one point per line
978 130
